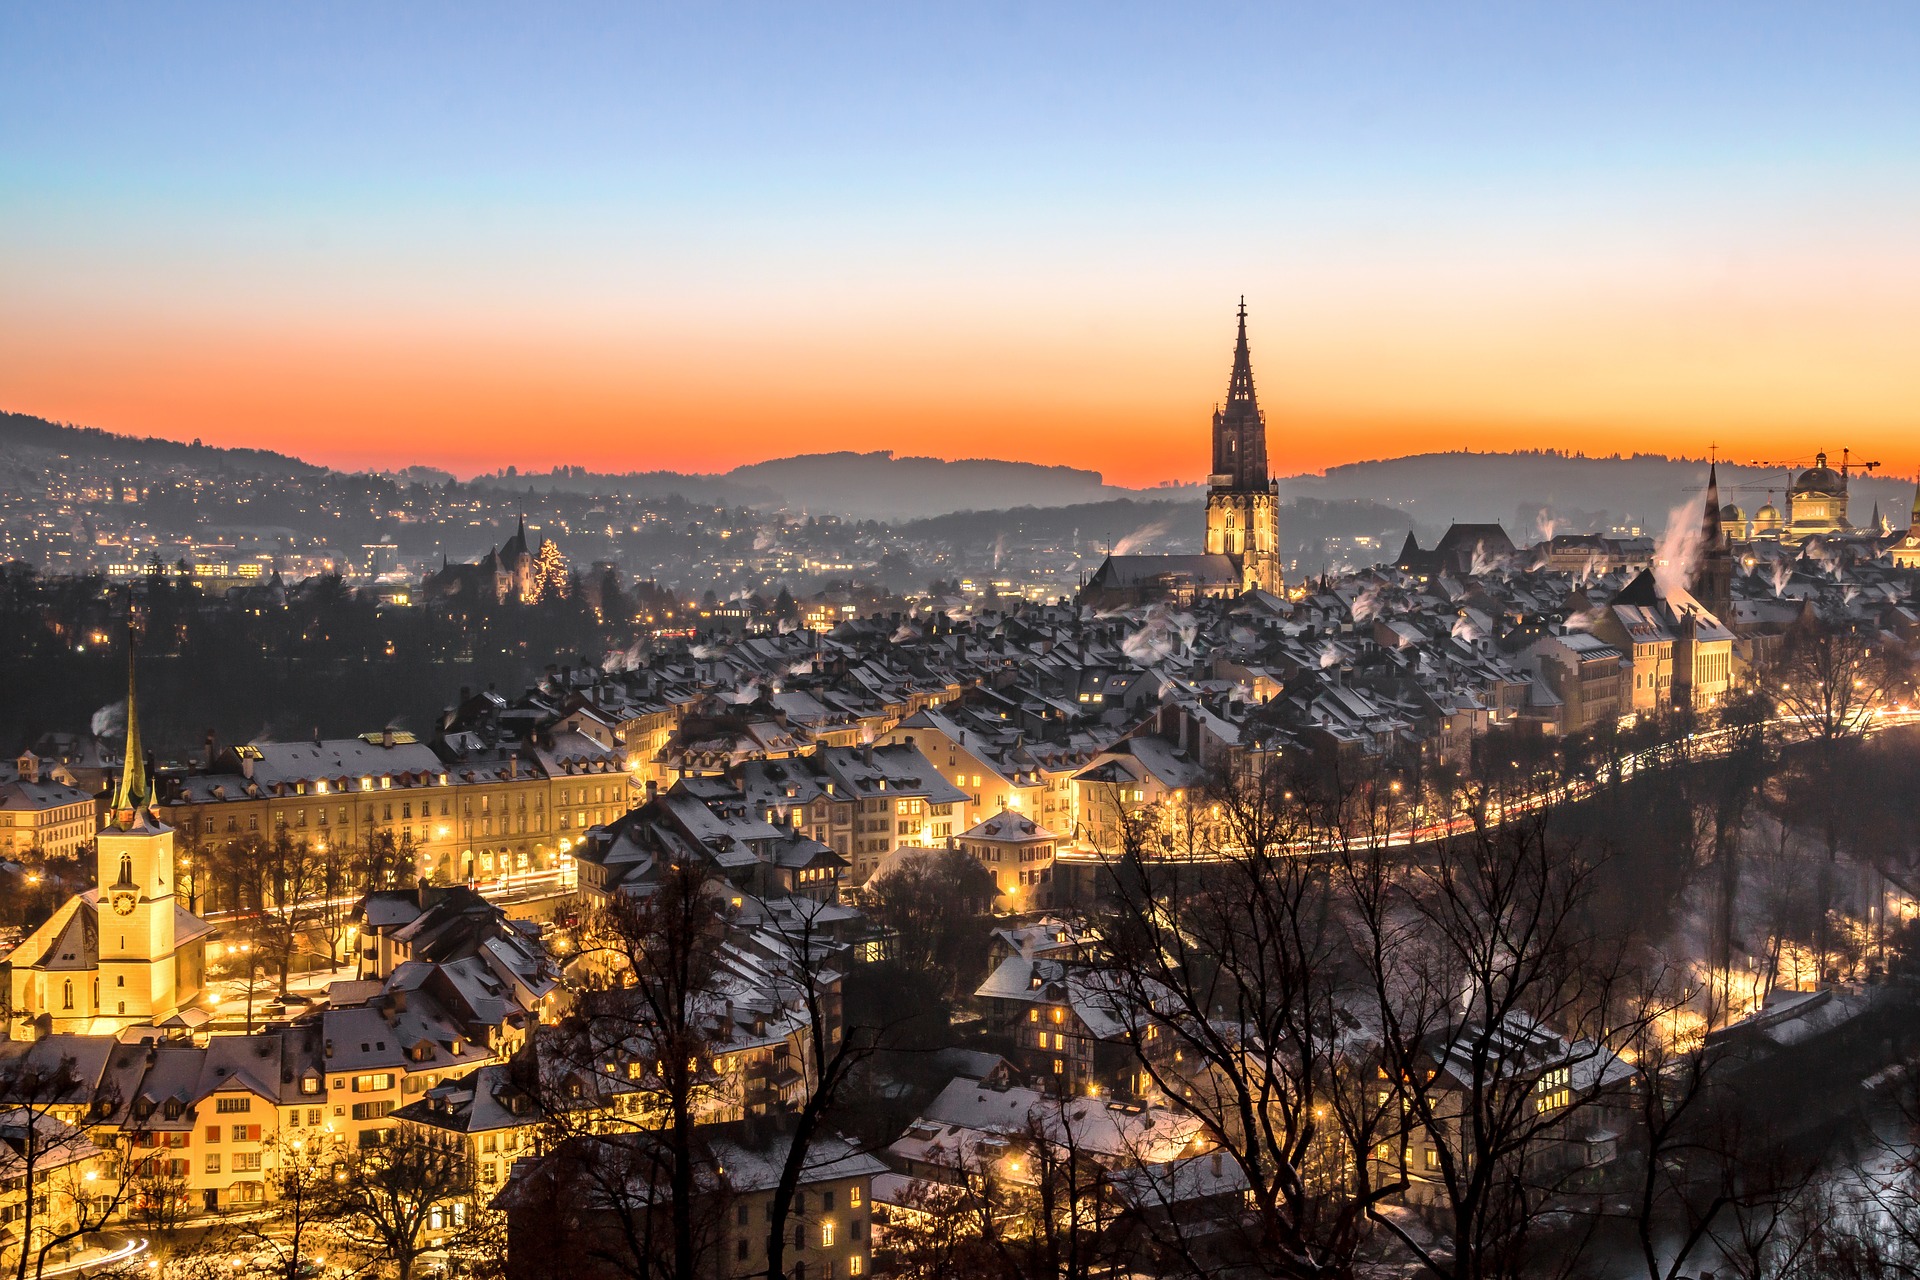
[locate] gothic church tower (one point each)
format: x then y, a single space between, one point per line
1243 519
1712 583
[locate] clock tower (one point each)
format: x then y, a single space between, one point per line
122 954
139 965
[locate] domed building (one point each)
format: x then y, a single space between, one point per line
1734 521
1817 503
1766 521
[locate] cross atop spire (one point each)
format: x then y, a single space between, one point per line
135 790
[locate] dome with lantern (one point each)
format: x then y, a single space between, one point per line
1820 480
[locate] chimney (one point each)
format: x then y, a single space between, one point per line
653 790
386 736
1216 1164
866 753
212 749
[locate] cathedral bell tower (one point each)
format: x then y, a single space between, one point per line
138 964
1243 519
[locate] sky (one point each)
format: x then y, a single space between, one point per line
688 237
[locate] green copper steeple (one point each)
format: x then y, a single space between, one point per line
135 790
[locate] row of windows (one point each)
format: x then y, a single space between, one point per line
243 1162
241 1133
342 816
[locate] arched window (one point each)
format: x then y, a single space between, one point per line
67 993
126 868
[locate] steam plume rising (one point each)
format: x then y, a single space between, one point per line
1677 554
109 720
1140 537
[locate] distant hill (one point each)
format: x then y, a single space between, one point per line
862 486
26 437
1526 492
881 486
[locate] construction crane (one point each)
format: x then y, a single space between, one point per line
1789 466
1847 465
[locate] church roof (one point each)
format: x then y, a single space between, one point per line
1009 827
1134 571
21 796
69 939
516 546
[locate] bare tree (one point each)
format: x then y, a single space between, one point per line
935 905
386 1200
651 1005
292 888
934 1234
1223 961
47 1151
1499 1013
812 970
1831 683
303 1179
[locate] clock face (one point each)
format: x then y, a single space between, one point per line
123 903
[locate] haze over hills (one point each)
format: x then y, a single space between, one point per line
1530 492
863 486
26 438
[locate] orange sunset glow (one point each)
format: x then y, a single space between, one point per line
1127 399
741 257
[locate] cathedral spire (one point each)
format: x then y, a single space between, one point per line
135 790
1240 385
1239 432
